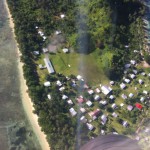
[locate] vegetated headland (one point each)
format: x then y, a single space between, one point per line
15 130
82 65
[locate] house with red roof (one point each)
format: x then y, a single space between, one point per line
139 106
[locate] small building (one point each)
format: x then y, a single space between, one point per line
58 32
126 46
111 97
45 50
114 106
97 90
127 80
135 71
89 103
114 115
131 95
102 132
47 84
121 104
129 107
64 97
82 110
83 119
133 62
70 102
62 88
149 74
49 65
141 81
90 126
41 66
145 92
94 113
127 66
142 99
90 92
132 76
96 97
138 106
124 96
125 123
62 16
36 52
73 112
58 83
103 102
104 118
122 86
79 77
106 90
112 83
143 73
80 100
85 86
65 50
49 97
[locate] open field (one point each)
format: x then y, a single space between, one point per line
89 66
15 130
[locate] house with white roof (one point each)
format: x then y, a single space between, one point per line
47 84
133 62
70 102
102 132
122 86
142 99
58 83
112 83
114 115
83 119
124 96
111 97
49 65
49 97
62 88
97 90
149 74
79 77
64 97
131 95
127 66
129 107
65 50
122 104
141 81
82 110
125 123
106 90
145 92
132 76
103 102
135 71
73 112
90 126
36 52
96 97
89 103
62 16
127 80
45 50
90 92
104 118
58 32
143 73
114 106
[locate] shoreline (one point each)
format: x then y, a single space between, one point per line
26 101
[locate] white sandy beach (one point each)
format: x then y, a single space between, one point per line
27 104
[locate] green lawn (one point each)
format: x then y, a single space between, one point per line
86 65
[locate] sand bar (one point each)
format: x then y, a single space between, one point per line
27 103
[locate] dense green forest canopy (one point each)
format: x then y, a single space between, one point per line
102 25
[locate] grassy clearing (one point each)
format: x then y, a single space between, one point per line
86 65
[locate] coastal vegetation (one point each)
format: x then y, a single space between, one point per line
103 33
